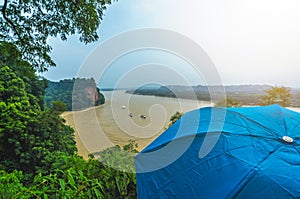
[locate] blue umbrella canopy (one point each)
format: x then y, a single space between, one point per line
250 152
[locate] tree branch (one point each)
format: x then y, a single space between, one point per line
3 10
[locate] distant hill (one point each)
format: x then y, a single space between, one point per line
77 93
247 94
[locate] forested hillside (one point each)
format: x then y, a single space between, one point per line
38 155
76 93
246 94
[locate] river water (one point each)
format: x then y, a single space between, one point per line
108 125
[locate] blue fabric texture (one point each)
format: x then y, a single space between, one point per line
247 155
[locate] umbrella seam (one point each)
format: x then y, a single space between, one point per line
296 126
242 184
255 122
202 134
284 121
243 126
250 135
278 184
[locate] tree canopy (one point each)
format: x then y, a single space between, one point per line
27 133
28 24
228 102
76 93
175 117
277 95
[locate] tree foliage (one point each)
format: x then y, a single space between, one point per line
28 24
228 102
176 116
27 133
70 176
58 106
16 114
277 95
34 86
76 93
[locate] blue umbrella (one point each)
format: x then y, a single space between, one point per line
253 152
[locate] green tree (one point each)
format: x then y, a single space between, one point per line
34 86
16 114
118 171
58 106
28 24
277 95
77 93
175 117
70 176
11 185
228 102
28 134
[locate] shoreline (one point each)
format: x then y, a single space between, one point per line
65 113
69 118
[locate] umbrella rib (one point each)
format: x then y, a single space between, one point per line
228 133
296 148
240 125
279 185
225 152
243 183
255 122
250 135
284 122
295 127
236 195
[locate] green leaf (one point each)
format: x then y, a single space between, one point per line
98 193
62 184
71 180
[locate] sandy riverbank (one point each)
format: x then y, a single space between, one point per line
69 117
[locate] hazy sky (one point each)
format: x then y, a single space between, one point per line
249 41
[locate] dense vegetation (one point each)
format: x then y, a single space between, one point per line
76 93
174 92
228 102
38 155
235 95
176 116
277 95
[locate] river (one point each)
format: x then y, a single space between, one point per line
111 124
